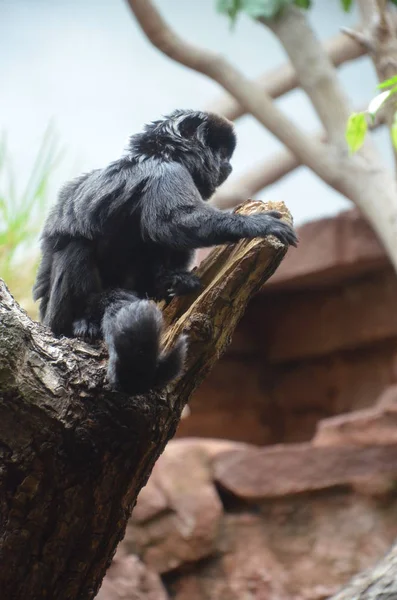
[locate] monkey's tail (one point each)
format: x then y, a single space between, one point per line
136 363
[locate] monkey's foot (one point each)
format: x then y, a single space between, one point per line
84 328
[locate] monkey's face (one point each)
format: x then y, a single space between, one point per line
203 142
225 168
206 143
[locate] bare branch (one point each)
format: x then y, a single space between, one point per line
249 95
315 72
282 80
367 10
264 173
236 190
360 178
379 22
359 37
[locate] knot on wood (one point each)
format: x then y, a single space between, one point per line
200 327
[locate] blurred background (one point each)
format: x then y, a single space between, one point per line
312 364
79 77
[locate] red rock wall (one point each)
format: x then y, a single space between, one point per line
314 363
321 339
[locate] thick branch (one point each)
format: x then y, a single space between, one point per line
379 21
255 101
255 179
263 174
317 76
75 454
284 79
360 178
375 584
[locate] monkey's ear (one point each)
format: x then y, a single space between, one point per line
220 134
189 125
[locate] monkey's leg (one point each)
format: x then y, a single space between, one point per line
74 279
89 324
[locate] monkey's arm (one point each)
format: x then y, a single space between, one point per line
174 214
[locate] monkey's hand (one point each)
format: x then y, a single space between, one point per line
270 223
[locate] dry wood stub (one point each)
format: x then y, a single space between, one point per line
75 454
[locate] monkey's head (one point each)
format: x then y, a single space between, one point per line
203 142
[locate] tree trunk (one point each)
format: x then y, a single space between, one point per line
74 453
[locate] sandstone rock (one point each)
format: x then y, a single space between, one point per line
295 548
317 322
374 426
246 570
293 469
181 522
330 250
388 398
232 403
129 579
151 501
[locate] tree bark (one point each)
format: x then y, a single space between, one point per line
379 583
74 453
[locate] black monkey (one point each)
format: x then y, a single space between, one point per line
120 236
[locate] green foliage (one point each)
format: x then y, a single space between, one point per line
388 83
355 131
358 122
266 9
393 131
346 5
377 102
22 214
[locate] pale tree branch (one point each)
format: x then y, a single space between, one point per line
359 37
367 10
379 23
284 79
317 76
361 178
264 173
249 95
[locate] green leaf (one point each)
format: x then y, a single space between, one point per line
377 102
231 8
267 9
346 5
388 82
303 3
355 131
393 131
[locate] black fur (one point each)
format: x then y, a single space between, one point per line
125 234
